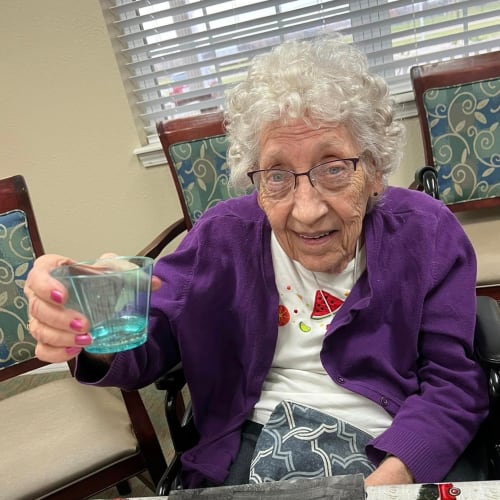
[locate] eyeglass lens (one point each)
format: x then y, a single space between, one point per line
330 177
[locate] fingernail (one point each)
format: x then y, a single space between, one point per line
83 339
73 350
76 325
56 296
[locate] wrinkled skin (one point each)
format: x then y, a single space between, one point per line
316 230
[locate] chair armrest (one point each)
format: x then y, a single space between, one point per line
155 247
487 336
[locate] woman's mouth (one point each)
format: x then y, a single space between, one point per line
316 236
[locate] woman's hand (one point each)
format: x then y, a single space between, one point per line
60 333
390 471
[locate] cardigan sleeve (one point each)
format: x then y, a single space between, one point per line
143 365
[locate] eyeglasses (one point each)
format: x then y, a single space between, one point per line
330 177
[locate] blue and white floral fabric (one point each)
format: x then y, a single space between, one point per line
203 173
465 139
16 260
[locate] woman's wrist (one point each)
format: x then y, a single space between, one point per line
390 471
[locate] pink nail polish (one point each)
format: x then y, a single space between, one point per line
76 325
73 350
56 296
83 339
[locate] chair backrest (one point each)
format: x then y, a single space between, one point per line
20 244
458 103
196 148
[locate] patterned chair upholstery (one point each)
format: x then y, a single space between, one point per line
195 148
458 103
203 174
465 139
16 260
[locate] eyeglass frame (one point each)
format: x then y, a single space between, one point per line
355 160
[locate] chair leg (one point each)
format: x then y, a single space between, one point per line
124 488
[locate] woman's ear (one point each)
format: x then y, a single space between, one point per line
378 184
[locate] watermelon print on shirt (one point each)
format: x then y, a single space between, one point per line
323 306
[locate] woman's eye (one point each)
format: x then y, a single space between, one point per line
334 169
276 177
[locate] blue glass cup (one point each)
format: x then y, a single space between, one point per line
114 294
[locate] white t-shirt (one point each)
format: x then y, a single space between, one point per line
307 301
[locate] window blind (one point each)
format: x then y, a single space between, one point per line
180 55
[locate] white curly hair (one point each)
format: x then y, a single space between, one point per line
325 79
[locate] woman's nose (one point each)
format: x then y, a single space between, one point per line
308 203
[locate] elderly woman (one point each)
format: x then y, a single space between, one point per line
324 287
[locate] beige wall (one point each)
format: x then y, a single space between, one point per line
67 127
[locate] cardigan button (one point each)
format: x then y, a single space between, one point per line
384 401
341 380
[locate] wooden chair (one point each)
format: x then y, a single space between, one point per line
184 140
458 103
61 439
195 148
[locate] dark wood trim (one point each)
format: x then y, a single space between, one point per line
21 367
105 478
155 247
151 451
489 291
485 203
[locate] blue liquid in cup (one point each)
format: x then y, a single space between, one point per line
113 293
120 334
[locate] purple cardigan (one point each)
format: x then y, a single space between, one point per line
404 337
